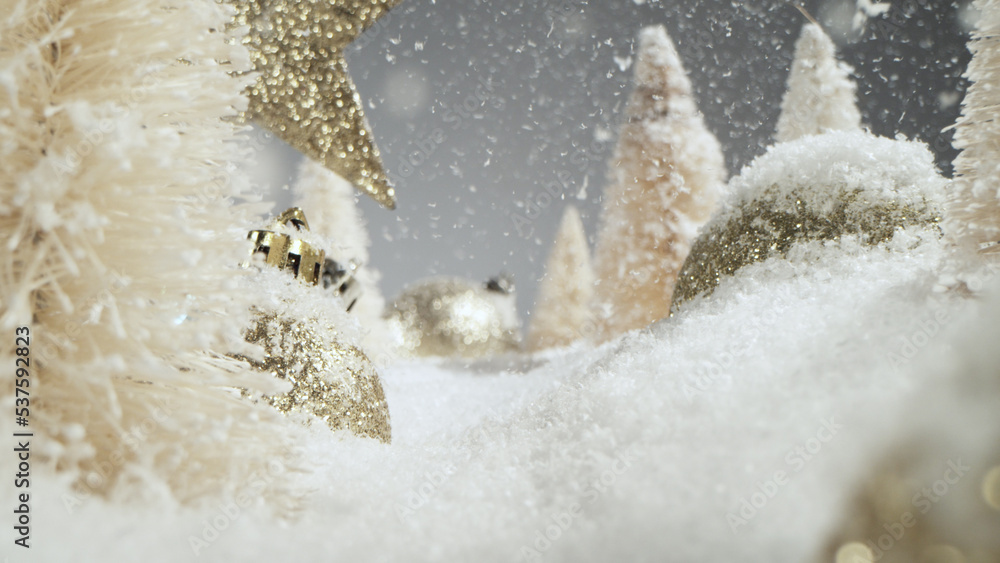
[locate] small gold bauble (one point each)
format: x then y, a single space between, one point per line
456 317
331 380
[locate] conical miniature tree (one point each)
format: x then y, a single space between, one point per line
974 206
563 309
821 93
664 180
121 245
330 203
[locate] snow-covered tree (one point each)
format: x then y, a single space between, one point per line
974 209
821 93
664 180
120 243
563 308
330 204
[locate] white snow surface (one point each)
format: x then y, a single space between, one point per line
681 422
886 169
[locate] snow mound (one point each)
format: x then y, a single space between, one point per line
885 169
840 186
934 492
735 431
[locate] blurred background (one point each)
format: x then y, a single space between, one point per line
477 106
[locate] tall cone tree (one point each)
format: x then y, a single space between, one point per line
974 207
563 311
120 244
331 205
664 180
821 93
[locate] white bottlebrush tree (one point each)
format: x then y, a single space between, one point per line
330 203
120 243
665 177
563 309
974 210
821 93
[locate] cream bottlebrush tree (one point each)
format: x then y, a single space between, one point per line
974 207
563 311
664 180
821 93
330 203
120 242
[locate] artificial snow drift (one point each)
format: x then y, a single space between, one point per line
843 186
648 444
735 431
744 428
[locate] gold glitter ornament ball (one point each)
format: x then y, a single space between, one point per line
456 317
821 187
933 495
330 379
303 93
921 504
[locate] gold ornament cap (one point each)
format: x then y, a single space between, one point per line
330 378
285 252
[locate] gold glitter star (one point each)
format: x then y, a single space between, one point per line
303 93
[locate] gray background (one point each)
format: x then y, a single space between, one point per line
477 105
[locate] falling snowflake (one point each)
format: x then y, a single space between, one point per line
868 9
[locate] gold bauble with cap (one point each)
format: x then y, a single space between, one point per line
330 378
